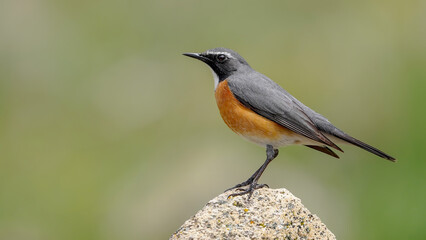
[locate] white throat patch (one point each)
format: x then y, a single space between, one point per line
215 78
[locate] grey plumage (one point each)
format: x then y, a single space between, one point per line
266 98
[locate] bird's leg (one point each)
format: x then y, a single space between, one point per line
271 154
247 182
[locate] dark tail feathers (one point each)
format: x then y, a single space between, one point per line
363 145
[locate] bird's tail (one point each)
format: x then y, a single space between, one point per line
363 145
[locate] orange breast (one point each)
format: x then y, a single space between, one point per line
244 121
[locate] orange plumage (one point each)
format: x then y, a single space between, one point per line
244 121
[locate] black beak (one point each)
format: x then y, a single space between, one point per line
197 56
193 55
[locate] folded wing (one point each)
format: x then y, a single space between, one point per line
269 100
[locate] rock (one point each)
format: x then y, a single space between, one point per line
270 214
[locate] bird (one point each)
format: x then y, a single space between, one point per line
261 111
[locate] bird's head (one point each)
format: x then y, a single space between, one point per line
223 62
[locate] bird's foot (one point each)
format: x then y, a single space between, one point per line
253 186
238 186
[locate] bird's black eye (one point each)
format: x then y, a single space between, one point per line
221 58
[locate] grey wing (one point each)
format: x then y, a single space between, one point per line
269 100
325 126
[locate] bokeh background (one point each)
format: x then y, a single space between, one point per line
108 132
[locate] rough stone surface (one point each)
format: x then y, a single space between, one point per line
270 214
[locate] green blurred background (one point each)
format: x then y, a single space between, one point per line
108 132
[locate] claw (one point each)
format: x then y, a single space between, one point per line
248 191
238 186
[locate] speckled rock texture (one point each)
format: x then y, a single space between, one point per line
270 214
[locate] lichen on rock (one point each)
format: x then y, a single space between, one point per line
270 214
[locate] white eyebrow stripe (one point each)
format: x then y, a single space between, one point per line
224 53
